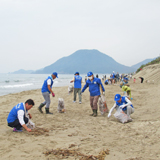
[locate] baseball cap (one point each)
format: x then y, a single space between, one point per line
76 73
89 74
117 97
55 73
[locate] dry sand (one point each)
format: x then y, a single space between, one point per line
138 139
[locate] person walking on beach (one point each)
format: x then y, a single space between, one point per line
124 103
46 90
77 87
94 85
17 116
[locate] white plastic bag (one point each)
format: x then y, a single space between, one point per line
30 124
121 116
70 89
60 107
102 105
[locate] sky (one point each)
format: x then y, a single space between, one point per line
36 33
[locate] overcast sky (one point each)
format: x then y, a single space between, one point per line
36 33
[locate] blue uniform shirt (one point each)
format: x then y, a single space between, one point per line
77 81
45 85
13 115
93 86
122 103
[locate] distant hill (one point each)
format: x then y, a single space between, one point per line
22 71
136 66
155 61
84 61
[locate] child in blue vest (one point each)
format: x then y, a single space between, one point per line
17 116
77 86
124 103
46 90
94 85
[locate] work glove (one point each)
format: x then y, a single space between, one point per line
109 115
53 95
122 106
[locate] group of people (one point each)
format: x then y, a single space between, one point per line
17 117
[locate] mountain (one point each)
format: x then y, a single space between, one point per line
22 71
136 66
84 61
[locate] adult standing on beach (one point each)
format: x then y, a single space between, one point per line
77 87
117 77
17 116
94 85
46 90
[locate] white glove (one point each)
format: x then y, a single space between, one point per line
122 106
109 115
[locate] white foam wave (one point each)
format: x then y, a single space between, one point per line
17 86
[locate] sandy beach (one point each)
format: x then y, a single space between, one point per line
137 140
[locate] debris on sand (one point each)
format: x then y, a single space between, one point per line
66 153
39 131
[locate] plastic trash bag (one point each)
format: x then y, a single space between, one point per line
70 89
30 124
121 116
102 106
60 107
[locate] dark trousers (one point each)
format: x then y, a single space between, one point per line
16 123
142 80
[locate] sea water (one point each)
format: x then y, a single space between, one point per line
14 83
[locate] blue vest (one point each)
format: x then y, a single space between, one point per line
122 103
77 81
106 81
13 115
94 86
45 85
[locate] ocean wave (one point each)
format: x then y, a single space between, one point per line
17 86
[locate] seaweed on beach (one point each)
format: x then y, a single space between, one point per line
66 153
39 131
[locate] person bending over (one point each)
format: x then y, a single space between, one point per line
124 103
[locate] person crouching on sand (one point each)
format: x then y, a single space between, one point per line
124 103
17 116
128 90
94 88
46 90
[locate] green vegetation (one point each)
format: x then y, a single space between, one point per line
156 61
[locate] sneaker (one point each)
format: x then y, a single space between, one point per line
74 101
80 102
16 130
